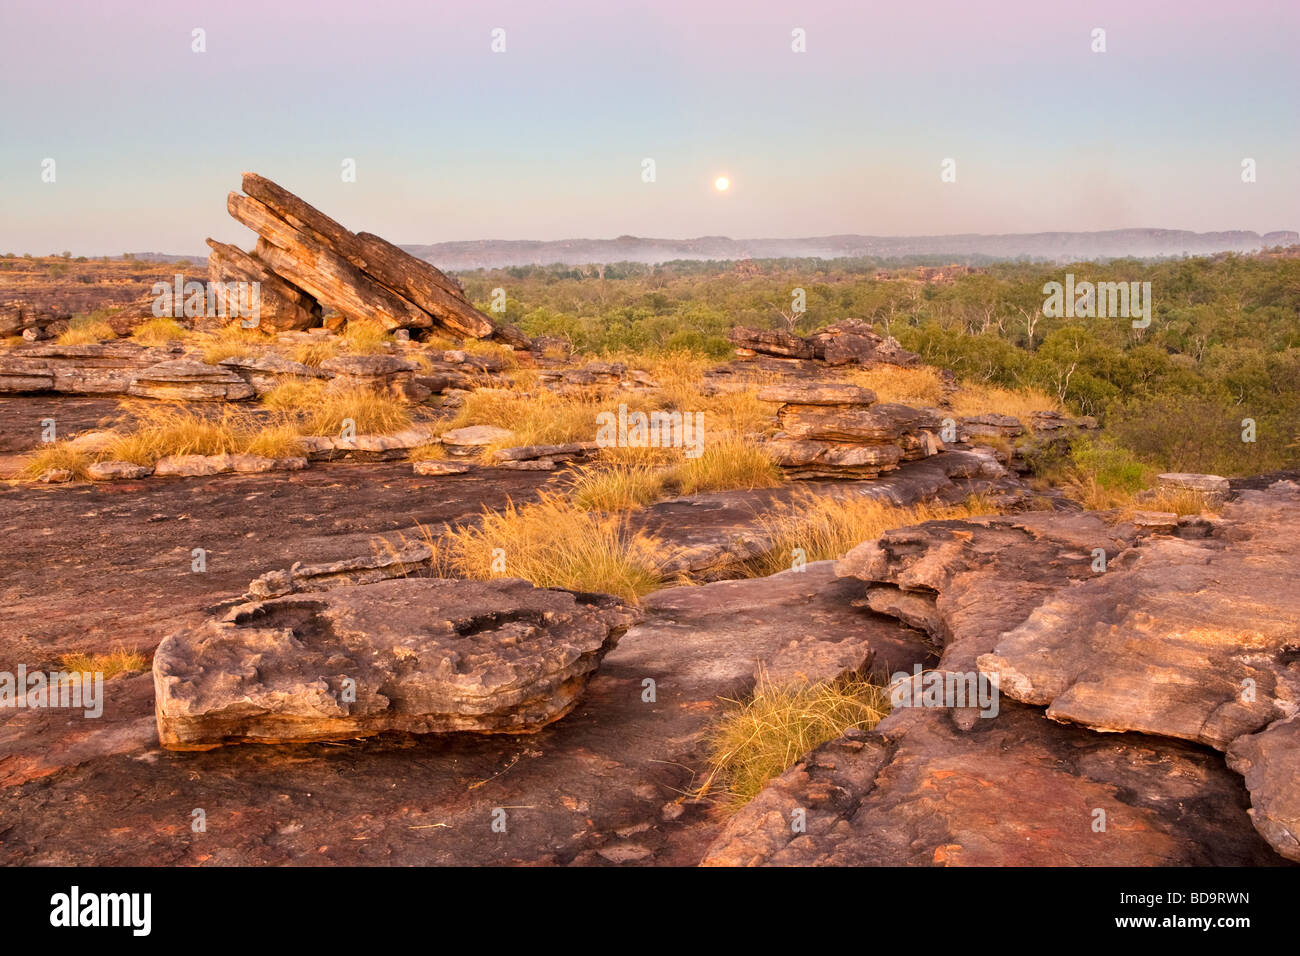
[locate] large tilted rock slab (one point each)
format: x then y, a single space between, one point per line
1020 790
321 271
281 306
360 275
412 278
417 655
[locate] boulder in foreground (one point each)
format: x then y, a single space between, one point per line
416 655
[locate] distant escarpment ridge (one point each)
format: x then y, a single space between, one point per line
1051 246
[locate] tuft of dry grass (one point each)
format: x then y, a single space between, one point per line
118 661
431 451
770 731
617 487
918 385
981 399
319 409
365 338
731 463
552 543
232 341
824 527
158 331
55 456
1180 501
314 353
159 431
87 330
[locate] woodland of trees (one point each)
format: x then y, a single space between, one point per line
1223 345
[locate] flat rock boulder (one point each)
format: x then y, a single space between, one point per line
1188 638
184 380
1019 790
416 655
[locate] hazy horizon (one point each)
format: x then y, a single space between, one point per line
545 142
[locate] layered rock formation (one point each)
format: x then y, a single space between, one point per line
832 430
361 276
419 655
851 342
1189 635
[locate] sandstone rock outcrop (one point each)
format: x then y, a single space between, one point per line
850 342
1020 790
359 275
1188 633
184 380
107 368
830 430
419 655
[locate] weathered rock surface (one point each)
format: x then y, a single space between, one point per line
830 430
1213 487
854 342
1018 790
280 306
434 467
419 655
1270 762
850 342
266 370
19 317
1186 634
184 380
973 580
107 368
359 275
116 471
380 566
471 439
1194 639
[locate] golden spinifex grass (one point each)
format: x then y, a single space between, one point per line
550 543
314 353
321 409
158 331
56 456
157 431
365 337
232 341
1179 501
87 330
616 487
825 526
919 385
762 736
117 661
974 398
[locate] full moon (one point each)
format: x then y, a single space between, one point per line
722 184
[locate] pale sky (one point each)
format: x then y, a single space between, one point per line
547 139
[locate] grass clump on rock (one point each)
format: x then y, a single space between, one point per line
552 543
321 409
767 733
